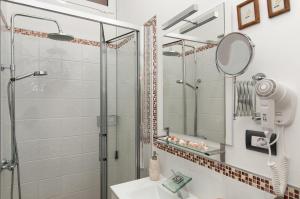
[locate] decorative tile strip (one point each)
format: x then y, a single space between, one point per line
201 49
76 40
150 81
190 52
249 178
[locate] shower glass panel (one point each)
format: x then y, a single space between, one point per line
121 113
58 116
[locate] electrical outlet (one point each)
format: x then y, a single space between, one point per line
256 141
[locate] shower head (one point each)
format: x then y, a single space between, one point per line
40 73
171 53
60 36
34 74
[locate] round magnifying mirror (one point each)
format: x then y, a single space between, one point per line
234 54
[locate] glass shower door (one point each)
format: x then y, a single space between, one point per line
120 62
56 115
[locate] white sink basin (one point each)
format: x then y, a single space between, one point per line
145 189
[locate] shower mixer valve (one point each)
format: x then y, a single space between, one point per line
8 165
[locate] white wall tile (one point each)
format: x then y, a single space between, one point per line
71 126
71 51
26 45
50 148
91 179
91 108
50 188
71 70
72 183
91 54
49 168
71 146
50 49
29 172
90 143
29 151
90 71
90 124
71 165
91 161
54 67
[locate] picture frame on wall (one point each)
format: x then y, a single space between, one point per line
278 7
248 13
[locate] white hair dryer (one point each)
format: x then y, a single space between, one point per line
278 108
277 104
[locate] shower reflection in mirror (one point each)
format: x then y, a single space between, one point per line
193 88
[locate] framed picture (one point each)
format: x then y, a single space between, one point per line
278 7
248 13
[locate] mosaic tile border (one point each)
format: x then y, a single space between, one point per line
76 40
150 81
251 179
190 52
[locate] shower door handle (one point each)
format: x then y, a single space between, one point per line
102 147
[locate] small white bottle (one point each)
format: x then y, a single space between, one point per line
154 169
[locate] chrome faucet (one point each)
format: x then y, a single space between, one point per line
182 194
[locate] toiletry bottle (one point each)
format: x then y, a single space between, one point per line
154 170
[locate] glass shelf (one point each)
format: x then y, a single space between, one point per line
210 151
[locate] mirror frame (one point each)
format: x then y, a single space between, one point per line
252 51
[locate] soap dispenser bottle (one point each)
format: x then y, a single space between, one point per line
154 170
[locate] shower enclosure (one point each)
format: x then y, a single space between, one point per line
70 103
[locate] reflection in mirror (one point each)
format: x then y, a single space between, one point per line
194 90
194 102
234 54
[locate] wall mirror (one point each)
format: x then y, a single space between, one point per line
234 54
193 88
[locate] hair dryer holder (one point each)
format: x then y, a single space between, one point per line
245 98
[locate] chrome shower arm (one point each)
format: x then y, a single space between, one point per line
35 17
22 77
12 28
